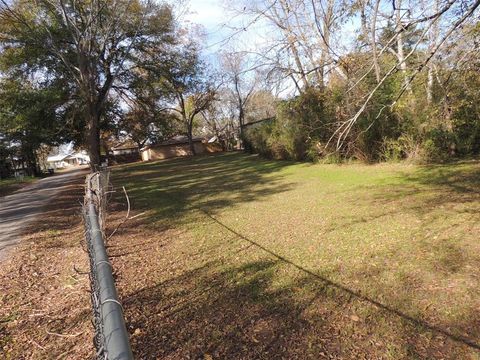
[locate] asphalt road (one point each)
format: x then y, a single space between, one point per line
21 208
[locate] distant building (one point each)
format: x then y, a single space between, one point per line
62 161
124 148
176 147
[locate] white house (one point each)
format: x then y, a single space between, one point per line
62 161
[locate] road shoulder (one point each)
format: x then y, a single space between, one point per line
44 303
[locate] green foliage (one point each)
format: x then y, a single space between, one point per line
404 147
86 49
145 124
29 118
257 137
416 127
438 144
300 126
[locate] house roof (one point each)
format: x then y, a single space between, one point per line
176 140
61 157
58 157
124 145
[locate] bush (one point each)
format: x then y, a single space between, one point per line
296 132
405 147
414 129
438 145
256 138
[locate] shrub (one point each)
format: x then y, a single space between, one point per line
405 147
439 144
299 127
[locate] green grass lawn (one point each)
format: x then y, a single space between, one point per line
7 186
249 258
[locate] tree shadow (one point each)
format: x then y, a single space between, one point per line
170 188
269 306
354 293
452 183
460 177
241 312
429 188
230 313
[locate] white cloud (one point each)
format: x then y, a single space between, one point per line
208 13
221 26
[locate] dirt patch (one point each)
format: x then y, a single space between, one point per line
45 308
8 187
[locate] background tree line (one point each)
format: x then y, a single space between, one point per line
369 79
365 79
87 71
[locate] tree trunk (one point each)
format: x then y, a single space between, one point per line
298 62
373 41
31 160
433 38
326 28
401 60
190 138
291 38
241 116
29 157
429 85
363 21
93 138
400 49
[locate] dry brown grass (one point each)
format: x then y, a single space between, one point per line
45 308
8 186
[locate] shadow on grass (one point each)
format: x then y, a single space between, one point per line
172 187
359 296
240 312
227 313
426 189
457 182
460 178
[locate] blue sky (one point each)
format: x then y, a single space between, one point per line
208 13
219 24
211 15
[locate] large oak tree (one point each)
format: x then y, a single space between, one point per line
89 46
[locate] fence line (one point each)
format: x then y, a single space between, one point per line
111 337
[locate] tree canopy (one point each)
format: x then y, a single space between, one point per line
86 49
368 79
